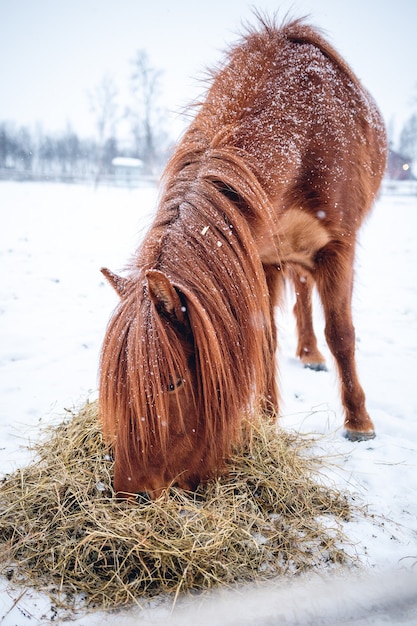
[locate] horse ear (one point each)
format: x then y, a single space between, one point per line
164 295
118 283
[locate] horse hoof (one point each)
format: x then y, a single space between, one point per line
317 367
358 435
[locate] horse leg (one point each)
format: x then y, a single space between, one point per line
274 282
307 350
334 279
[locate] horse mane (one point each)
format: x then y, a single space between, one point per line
221 279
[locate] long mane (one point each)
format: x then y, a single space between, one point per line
203 243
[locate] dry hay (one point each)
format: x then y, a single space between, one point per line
63 532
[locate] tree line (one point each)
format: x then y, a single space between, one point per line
407 145
26 152
34 152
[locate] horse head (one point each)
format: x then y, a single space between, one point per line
153 417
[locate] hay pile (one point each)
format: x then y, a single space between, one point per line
62 532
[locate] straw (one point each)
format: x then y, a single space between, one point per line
63 532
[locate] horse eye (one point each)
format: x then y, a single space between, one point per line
173 386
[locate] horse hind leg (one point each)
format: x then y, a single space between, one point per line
334 279
307 350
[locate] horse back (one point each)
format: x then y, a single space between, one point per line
312 134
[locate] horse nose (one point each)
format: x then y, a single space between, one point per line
142 497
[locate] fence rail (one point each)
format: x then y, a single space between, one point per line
399 187
111 180
116 179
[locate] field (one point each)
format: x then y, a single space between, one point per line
54 306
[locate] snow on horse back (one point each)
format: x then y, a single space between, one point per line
272 180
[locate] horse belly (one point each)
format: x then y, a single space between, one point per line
297 238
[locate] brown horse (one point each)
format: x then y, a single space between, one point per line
273 178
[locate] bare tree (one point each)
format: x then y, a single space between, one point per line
103 105
145 115
408 138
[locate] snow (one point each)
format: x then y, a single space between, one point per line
54 307
126 162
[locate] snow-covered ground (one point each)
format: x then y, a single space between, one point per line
54 306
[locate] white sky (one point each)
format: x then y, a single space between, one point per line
52 53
